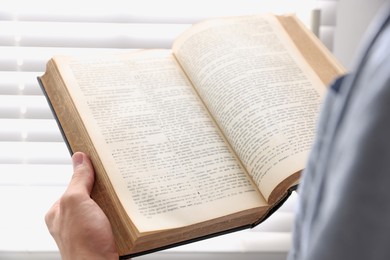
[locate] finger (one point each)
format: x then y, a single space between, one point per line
83 174
51 216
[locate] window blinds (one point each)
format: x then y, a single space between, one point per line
34 161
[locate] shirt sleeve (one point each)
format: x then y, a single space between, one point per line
344 208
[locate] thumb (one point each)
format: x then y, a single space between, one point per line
83 174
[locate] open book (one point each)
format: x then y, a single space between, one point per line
203 139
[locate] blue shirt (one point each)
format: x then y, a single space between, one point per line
344 207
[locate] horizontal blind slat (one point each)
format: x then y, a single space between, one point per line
280 222
16 58
24 106
30 130
95 35
35 174
19 83
34 153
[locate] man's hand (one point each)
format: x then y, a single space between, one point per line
77 224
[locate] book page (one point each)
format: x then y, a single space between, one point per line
166 159
262 94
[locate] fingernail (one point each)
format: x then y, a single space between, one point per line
77 159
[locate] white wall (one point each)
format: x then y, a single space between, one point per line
353 17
